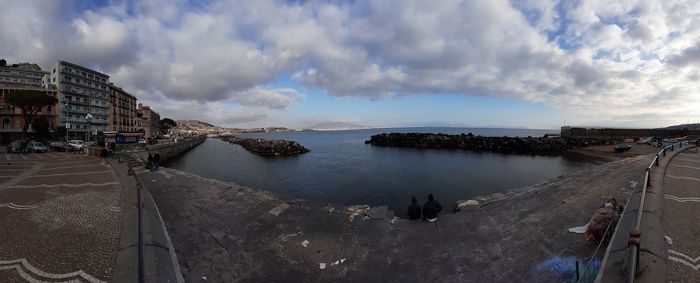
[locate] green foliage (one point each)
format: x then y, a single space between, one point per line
167 124
41 127
29 102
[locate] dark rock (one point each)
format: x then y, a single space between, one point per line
269 148
378 212
518 145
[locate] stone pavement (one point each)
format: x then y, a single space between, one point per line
60 218
681 206
223 232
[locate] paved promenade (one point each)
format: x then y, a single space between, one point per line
60 218
223 232
682 221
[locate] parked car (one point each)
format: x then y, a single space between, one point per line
14 147
36 146
61 146
77 143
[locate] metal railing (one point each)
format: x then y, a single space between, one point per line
636 234
589 274
139 187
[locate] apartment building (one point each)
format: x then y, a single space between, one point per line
122 110
148 120
84 97
22 75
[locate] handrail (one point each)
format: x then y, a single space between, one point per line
139 186
635 235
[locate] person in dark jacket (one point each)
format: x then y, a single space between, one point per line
414 209
150 162
156 160
431 209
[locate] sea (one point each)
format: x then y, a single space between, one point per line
341 169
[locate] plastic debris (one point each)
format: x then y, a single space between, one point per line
305 243
342 260
204 277
580 229
470 202
393 220
322 265
668 240
356 210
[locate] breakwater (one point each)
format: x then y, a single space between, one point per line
268 148
520 145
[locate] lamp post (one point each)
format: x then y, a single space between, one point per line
88 118
65 117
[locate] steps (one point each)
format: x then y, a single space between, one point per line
128 158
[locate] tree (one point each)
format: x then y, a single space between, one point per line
167 124
30 102
41 127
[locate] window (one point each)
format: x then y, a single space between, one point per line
6 124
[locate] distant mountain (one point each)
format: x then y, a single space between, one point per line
328 126
196 126
695 126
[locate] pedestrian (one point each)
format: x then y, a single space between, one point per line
150 161
103 155
156 160
431 208
414 209
25 147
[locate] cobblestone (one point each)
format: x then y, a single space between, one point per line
61 221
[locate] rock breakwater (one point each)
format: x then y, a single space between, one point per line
268 148
519 145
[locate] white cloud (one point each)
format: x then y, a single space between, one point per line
593 58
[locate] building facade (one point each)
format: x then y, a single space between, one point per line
122 110
84 97
148 120
11 121
22 75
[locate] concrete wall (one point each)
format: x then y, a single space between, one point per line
577 132
171 150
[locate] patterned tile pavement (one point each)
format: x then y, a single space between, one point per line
682 200
60 218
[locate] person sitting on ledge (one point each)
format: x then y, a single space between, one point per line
431 208
414 209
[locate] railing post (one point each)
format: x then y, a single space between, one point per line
664 151
673 147
657 159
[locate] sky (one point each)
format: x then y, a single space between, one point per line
389 63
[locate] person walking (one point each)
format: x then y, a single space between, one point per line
414 212
150 161
156 160
431 208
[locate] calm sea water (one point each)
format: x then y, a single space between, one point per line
341 169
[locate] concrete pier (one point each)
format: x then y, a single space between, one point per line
224 232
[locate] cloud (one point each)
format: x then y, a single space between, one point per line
591 57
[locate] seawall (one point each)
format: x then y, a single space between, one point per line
145 249
227 232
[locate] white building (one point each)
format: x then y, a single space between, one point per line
82 91
22 75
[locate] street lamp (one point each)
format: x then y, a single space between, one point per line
65 117
88 118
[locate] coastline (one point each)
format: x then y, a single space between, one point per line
515 231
